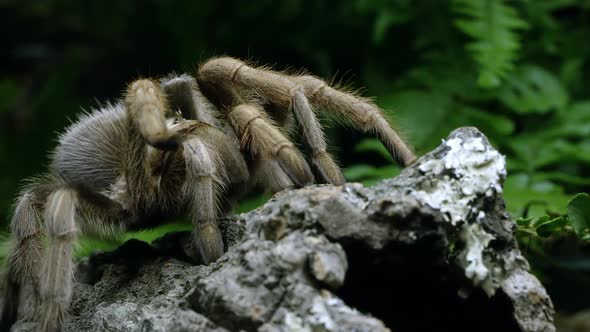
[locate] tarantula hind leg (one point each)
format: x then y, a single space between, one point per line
213 164
45 223
31 259
25 257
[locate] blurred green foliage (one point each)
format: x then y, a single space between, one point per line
515 69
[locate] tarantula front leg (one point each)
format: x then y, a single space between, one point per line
314 137
282 164
359 112
147 106
213 164
295 92
180 91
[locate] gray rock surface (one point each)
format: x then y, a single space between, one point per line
432 249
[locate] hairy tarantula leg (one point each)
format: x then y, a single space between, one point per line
68 210
314 138
359 112
180 95
282 163
217 76
202 188
212 162
285 163
276 88
57 268
48 210
25 258
147 107
234 165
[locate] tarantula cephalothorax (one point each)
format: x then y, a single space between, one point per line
134 161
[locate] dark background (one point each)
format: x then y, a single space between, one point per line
517 70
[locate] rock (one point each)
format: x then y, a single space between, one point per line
432 249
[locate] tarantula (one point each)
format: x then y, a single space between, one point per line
176 146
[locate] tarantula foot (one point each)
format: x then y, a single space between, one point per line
209 243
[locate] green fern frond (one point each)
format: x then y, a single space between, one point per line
493 25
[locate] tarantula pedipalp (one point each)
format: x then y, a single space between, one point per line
133 161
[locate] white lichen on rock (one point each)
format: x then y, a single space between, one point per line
319 317
468 170
474 168
476 240
325 313
294 323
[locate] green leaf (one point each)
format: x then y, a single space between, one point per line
532 89
252 203
492 24
572 121
571 71
359 172
562 177
423 115
578 211
87 244
373 145
488 122
369 175
546 226
524 222
523 193
527 231
448 78
536 151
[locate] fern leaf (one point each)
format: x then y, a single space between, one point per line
493 25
